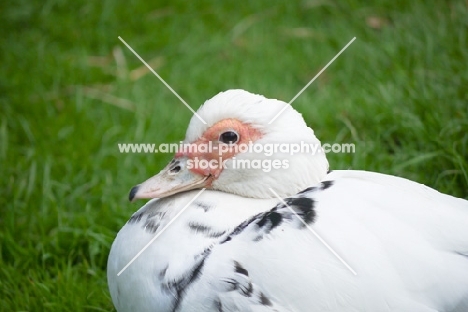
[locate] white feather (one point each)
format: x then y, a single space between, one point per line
405 241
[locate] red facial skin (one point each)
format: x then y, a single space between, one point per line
246 134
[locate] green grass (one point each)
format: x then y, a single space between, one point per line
67 97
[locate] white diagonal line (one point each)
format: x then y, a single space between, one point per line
313 79
315 233
159 233
162 80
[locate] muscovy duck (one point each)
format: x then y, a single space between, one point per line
293 238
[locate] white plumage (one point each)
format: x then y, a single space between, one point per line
229 251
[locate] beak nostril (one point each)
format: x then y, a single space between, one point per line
176 169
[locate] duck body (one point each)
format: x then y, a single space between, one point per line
407 243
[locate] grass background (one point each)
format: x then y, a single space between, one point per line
70 91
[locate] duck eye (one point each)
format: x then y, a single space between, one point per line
229 137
